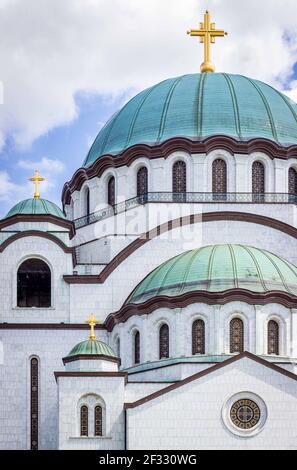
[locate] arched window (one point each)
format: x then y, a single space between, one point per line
236 336
34 408
179 177
98 415
273 338
87 201
111 197
118 347
293 182
137 347
198 337
34 284
142 181
84 421
258 180
219 177
164 341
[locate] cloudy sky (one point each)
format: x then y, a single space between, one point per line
67 65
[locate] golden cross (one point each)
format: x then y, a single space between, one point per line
208 34
36 180
92 321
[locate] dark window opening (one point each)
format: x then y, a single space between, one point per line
34 403
236 336
164 342
84 421
137 348
34 284
142 182
98 431
198 337
111 192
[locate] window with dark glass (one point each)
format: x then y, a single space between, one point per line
111 191
142 181
236 336
164 342
84 421
219 177
179 177
273 338
34 408
258 183
87 201
34 284
198 337
98 415
137 347
292 181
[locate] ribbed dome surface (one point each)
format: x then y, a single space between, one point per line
36 207
217 269
93 348
198 106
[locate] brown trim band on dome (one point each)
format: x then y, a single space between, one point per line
219 142
176 223
40 234
69 225
205 297
90 357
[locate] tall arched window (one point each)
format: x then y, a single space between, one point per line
258 178
118 347
137 347
179 177
87 201
164 341
219 176
273 338
236 336
84 421
198 337
292 181
34 408
111 197
98 425
142 181
34 284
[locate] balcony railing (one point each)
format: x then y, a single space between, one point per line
182 198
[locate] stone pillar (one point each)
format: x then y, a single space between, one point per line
199 174
281 177
219 341
242 184
293 338
259 332
76 205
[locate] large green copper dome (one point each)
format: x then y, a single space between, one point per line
218 268
196 107
36 207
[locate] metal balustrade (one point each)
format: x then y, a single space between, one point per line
182 198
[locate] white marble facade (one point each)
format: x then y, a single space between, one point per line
193 414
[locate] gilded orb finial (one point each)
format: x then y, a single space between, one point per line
207 34
36 179
92 322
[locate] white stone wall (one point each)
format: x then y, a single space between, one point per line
217 321
73 392
18 347
191 417
199 176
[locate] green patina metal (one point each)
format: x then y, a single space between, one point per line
196 107
36 207
217 269
91 348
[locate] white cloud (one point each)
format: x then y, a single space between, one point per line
10 191
51 49
44 165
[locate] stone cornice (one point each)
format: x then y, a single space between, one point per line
219 142
67 224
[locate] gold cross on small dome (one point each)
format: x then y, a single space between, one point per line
208 34
92 322
36 180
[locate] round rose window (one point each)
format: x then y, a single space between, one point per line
245 414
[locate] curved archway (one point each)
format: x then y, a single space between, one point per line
34 284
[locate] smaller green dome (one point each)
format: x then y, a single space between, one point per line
91 348
36 207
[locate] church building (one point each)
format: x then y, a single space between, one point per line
157 309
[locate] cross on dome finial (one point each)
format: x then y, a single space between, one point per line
207 34
92 322
36 179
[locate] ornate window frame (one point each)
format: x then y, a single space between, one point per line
244 433
91 400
